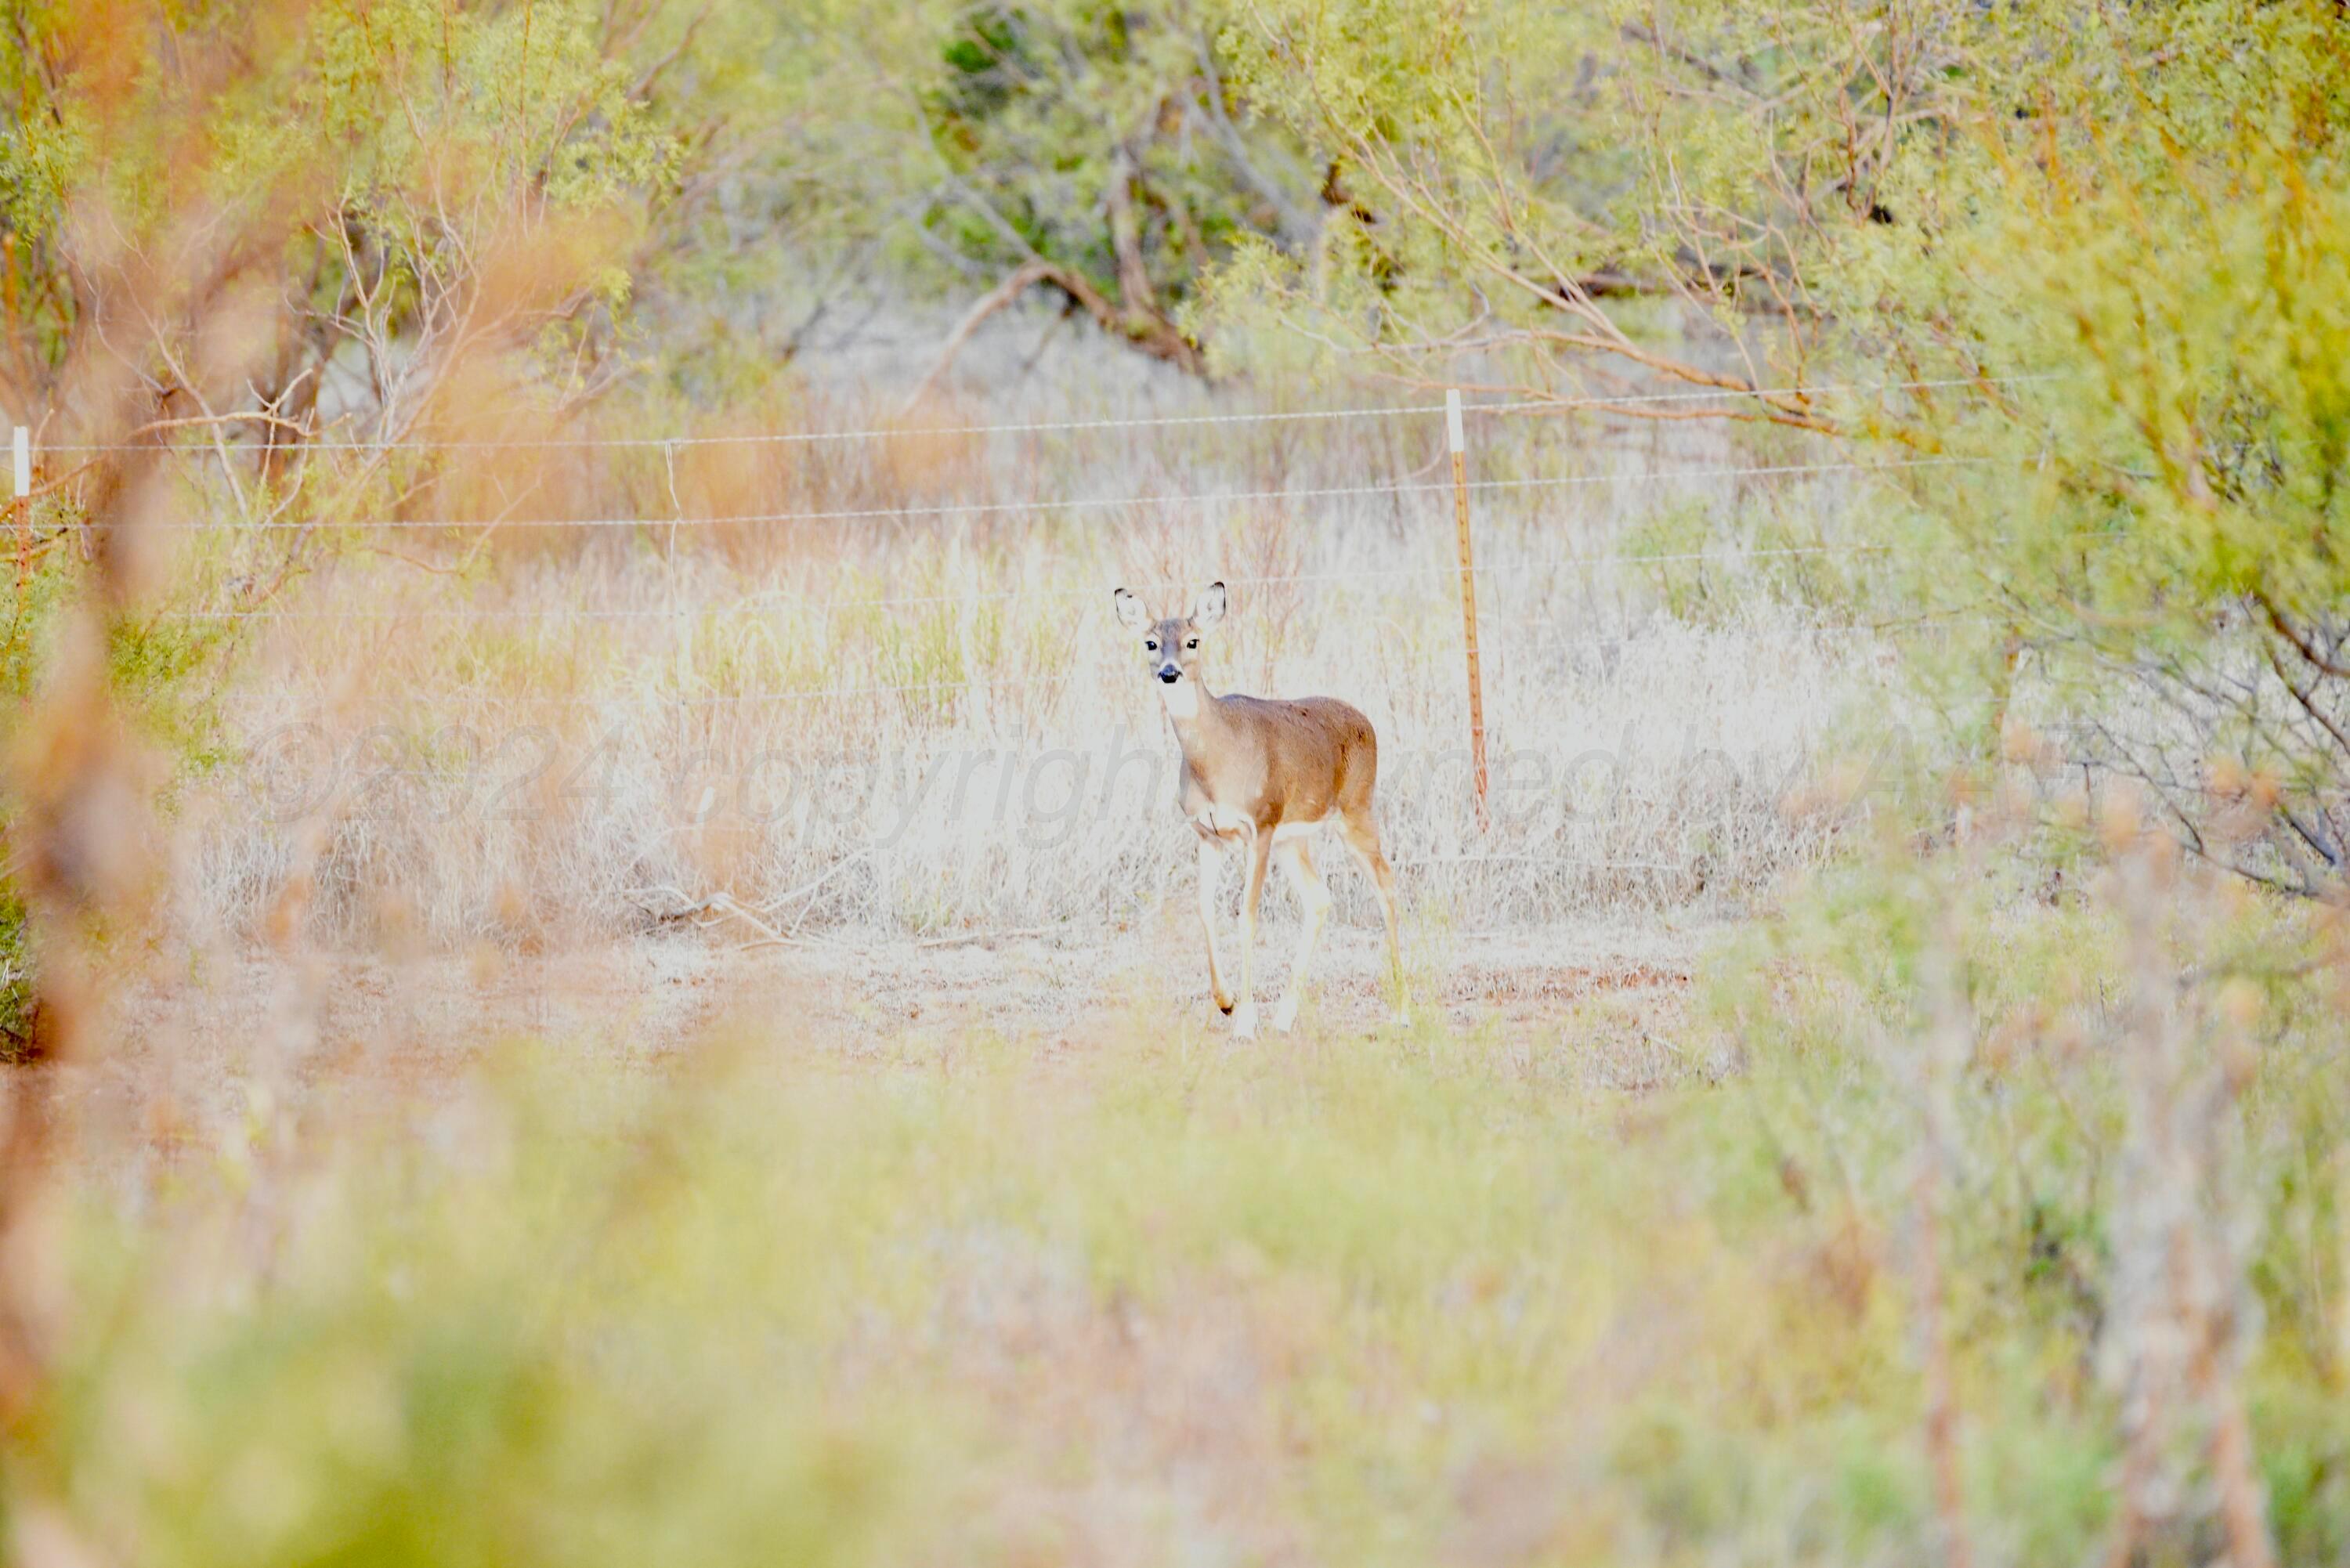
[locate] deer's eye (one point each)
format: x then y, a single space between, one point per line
1193 644
1150 644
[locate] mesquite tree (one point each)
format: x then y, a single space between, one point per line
2084 271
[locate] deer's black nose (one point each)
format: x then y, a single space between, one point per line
1169 673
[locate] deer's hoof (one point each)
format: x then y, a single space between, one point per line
1244 1022
1284 1015
1223 1007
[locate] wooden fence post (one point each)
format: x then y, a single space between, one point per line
1468 598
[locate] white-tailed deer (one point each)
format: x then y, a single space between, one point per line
1261 776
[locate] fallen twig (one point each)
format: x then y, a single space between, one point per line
804 890
962 937
721 904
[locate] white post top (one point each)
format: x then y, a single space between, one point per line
1452 418
23 465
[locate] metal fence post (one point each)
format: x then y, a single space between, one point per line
1468 598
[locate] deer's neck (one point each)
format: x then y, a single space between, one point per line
1191 708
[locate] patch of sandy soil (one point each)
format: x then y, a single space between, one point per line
1065 984
199 1039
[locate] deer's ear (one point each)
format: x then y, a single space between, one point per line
1129 608
1210 607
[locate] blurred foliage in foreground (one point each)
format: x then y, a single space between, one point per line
1442 1295
2005 1224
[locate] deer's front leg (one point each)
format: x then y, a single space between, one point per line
1260 852
1211 864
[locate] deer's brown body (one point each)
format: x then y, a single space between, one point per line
1262 775
1276 762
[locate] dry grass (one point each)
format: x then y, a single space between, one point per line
929 723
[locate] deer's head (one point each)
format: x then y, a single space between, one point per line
1170 644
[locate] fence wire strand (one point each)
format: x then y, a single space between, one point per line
657 701
855 602
1525 405
954 509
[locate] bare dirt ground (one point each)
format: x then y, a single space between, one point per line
1612 998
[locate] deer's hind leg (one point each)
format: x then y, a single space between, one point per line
1314 903
1362 835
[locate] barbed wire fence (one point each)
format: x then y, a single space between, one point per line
1462 573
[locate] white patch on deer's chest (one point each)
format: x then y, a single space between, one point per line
1221 822
1182 699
